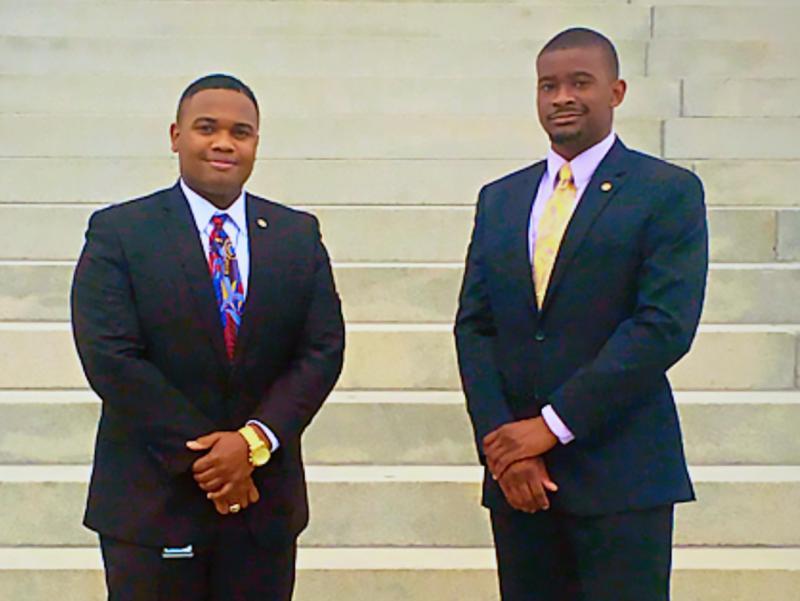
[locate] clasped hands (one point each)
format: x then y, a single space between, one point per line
513 454
224 473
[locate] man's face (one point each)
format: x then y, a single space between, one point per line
577 92
216 137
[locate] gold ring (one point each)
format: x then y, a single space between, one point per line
235 508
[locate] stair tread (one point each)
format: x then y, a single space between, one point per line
413 473
377 558
418 397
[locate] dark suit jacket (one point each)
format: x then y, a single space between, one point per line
622 307
148 332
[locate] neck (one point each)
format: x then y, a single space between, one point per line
221 200
569 149
567 152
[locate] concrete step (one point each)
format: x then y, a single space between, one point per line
412 428
726 22
370 292
388 574
293 56
297 96
753 294
349 136
740 97
400 234
748 182
400 137
789 237
729 3
731 138
422 357
427 293
741 505
360 182
319 19
746 235
718 58
301 181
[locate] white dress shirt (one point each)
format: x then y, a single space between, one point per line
236 229
583 167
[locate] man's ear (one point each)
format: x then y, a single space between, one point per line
618 89
174 134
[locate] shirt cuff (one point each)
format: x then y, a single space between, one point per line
273 440
556 426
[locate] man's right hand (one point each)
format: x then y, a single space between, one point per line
525 484
243 494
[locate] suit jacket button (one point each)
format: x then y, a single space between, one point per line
539 336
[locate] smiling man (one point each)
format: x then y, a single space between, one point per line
584 284
207 321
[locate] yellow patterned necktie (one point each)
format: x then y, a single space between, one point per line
550 231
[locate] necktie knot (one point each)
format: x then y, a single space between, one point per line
565 176
218 221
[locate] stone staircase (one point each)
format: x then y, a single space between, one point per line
384 118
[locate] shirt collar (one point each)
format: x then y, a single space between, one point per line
203 210
583 166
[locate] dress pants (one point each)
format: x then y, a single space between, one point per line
233 567
551 556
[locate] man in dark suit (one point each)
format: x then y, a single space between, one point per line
208 323
584 284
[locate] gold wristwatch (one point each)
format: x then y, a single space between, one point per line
259 452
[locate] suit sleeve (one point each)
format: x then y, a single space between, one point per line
113 353
295 397
475 335
671 288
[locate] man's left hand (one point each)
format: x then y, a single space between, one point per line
243 494
225 465
515 441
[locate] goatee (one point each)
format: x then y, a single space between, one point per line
566 137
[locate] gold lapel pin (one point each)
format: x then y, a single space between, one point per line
262 223
606 186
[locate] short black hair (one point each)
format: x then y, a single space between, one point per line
582 37
216 81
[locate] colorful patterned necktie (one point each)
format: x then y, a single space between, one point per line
224 270
552 226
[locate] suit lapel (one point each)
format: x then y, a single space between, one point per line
517 215
264 264
181 233
611 171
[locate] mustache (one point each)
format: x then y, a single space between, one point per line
577 110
